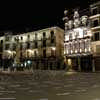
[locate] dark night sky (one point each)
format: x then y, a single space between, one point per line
36 15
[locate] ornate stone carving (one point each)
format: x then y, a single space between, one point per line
70 24
84 20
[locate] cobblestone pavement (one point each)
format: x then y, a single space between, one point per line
51 86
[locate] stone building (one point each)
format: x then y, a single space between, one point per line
82 40
95 28
42 49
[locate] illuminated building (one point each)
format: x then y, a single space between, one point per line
42 49
95 28
82 39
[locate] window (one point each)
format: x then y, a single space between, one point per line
95 23
52 40
35 54
21 38
28 36
44 53
36 44
7 46
52 34
14 46
96 36
7 38
44 34
1 41
28 45
44 43
95 11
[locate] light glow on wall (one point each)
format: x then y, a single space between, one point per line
53 48
75 51
80 50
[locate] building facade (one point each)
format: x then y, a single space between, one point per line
95 28
82 40
42 49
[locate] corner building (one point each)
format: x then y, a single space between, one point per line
82 40
42 49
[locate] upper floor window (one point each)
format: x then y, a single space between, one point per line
44 34
95 23
96 36
44 53
28 36
28 45
52 40
52 34
7 38
95 11
44 43
7 46
36 44
21 38
1 41
14 46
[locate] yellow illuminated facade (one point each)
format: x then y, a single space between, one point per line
43 48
